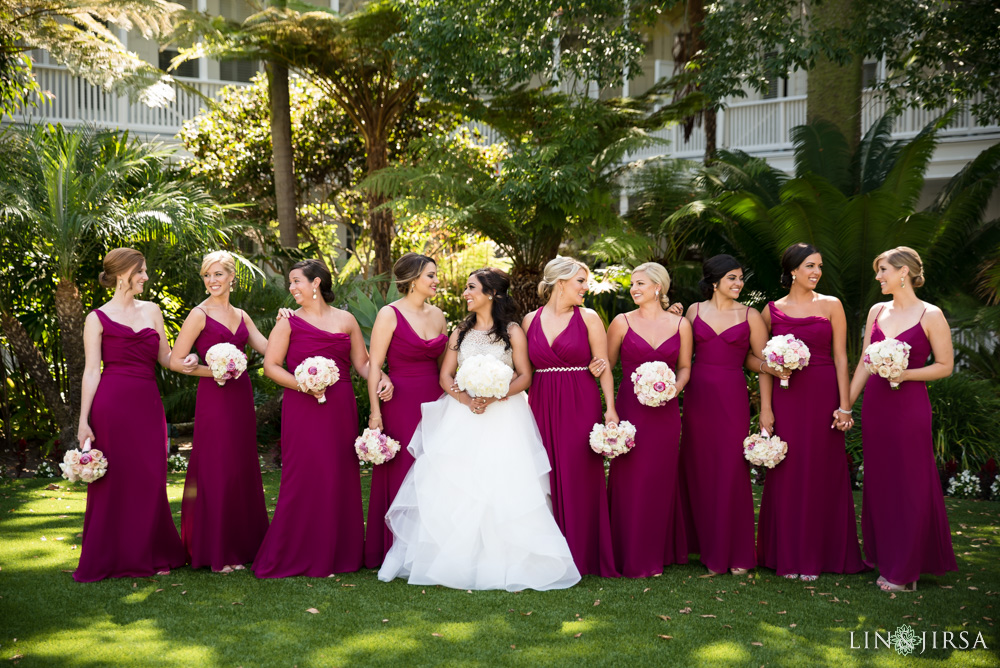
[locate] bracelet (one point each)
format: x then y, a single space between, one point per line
845 412
761 368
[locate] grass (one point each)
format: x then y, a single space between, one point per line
200 618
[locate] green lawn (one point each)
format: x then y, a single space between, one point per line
199 618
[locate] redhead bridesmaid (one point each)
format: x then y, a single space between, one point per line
647 527
716 497
223 514
563 340
128 530
318 525
807 524
410 335
903 519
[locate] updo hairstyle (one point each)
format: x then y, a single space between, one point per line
408 269
904 256
560 268
792 259
118 261
225 258
313 269
712 271
659 275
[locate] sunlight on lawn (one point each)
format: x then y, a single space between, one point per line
721 652
101 643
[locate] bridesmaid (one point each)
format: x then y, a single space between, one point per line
223 514
903 520
411 335
563 340
807 523
647 526
318 525
716 497
128 530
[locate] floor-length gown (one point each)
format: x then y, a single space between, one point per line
647 526
223 514
414 371
128 530
715 479
807 523
318 524
903 519
473 513
565 400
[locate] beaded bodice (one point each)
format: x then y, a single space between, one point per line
482 343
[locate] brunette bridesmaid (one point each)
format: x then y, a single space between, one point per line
647 526
903 519
318 525
128 530
807 523
563 340
223 514
411 335
716 497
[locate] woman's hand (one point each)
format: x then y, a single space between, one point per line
375 421
190 363
385 388
85 432
478 404
610 416
780 374
597 366
842 420
676 308
284 313
766 422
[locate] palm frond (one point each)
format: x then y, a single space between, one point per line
822 149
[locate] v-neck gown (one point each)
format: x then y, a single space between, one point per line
647 526
715 479
223 514
903 518
807 523
318 525
128 530
566 405
414 371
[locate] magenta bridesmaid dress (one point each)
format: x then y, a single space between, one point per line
903 519
647 527
716 498
414 371
318 525
128 530
566 403
807 523
223 514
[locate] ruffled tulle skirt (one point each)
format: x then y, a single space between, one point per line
474 510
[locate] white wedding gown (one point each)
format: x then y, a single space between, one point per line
473 512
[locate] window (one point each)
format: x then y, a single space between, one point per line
188 69
777 83
869 75
238 70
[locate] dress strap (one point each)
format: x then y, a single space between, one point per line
697 309
746 314
626 321
204 311
922 315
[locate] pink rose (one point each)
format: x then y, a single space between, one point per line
659 386
312 371
85 458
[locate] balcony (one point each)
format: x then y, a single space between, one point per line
77 102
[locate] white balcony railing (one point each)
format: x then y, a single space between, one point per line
75 102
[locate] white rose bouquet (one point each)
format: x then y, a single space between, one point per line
785 352
484 376
315 374
375 447
887 359
226 361
763 450
84 465
654 383
613 439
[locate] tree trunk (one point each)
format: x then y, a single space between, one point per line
380 221
281 148
31 359
69 312
834 90
710 135
524 288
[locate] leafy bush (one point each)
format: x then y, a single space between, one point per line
965 485
966 420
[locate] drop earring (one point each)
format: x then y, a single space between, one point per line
793 278
314 293
902 282
491 298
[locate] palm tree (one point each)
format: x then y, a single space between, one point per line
72 195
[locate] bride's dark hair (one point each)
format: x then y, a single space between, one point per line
495 284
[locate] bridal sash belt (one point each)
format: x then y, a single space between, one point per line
562 368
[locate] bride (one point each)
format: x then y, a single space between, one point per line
473 512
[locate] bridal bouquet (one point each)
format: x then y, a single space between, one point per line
484 376
763 450
226 361
887 359
653 383
613 439
315 374
375 447
85 464
785 352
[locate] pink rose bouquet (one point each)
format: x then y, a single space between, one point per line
84 465
315 374
226 361
654 383
375 447
786 353
887 359
763 450
613 439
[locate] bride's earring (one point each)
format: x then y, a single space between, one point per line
491 297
